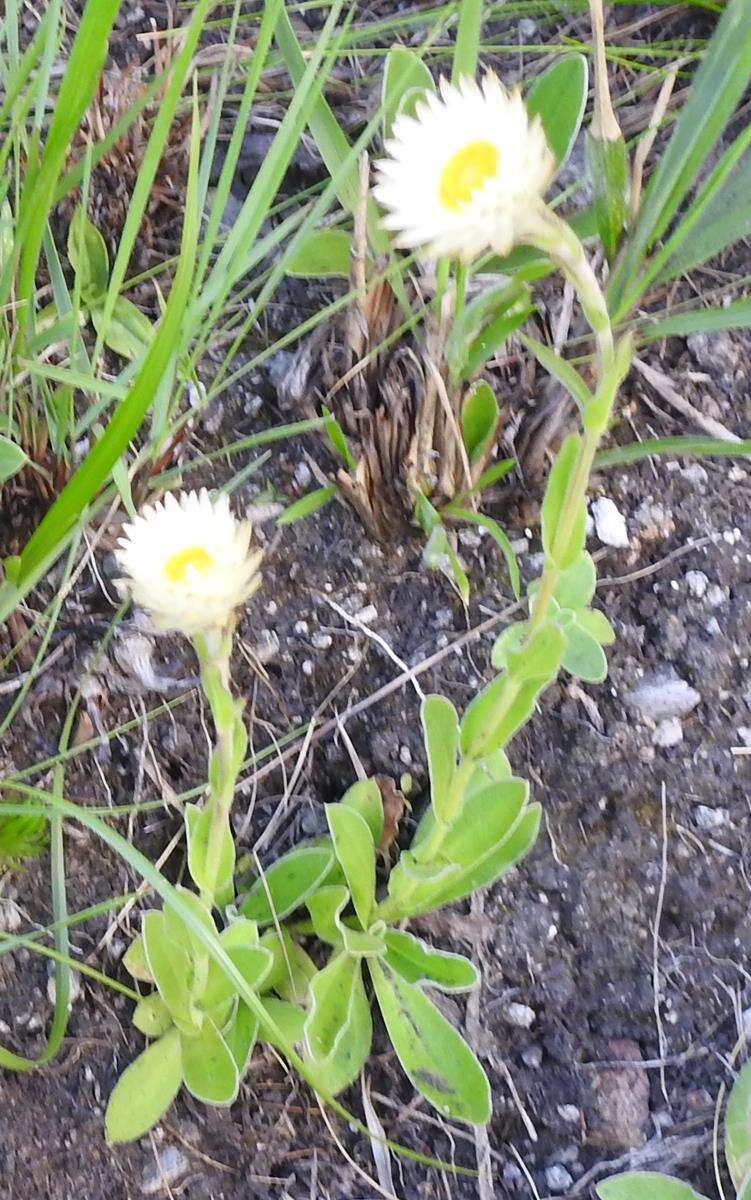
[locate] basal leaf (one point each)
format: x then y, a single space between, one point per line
479 420
291 969
241 1037
287 883
151 1016
145 1090
322 253
171 968
365 798
339 1028
288 1018
134 961
325 907
435 1058
88 256
129 332
418 962
12 458
355 850
209 1068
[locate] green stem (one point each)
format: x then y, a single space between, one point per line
213 652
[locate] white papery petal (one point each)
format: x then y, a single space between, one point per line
190 599
494 217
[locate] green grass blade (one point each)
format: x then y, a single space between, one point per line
97 466
697 447
85 63
718 86
468 31
698 320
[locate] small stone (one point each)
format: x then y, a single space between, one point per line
744 733
695 474
709 819
267 646
532 1057
717 595
301 628
663 694
610 523
303 475
520 1015
367 615
558 1179
697 583
171 1164
74 987
321 641
569 1113
307 667
668 733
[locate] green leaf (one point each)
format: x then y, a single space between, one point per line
537 660
413 883
437 1061
484 324
597 625
440 725
738 1127
492 336
291 969
365 798
151 1016
560 369
129 332
607 161
419 963
88 256
252 960
241 1037
307 504
287 1018
558 96
12 458
339 1028
335 434
197 827
439 555
287 883
134 961
171 968
480 418
406 79
209 1068
325 907
645 1185
492 863
494 716
553 505
499 536
576 585
321 254
355 850
719 84
145 1090
583 657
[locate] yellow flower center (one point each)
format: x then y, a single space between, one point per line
196 557
465 172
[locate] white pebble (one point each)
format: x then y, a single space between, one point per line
668 733
569 1113
558 1178
610 523
697 583
321 641
520 1015
367 615
707 818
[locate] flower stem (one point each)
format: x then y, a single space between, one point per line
213 652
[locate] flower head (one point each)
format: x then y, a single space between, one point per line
188 562
464 173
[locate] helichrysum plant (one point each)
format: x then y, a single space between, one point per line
467 173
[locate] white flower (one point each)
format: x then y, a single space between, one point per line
466 172
188 562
